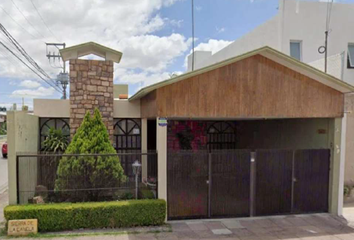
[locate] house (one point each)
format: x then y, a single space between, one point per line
298 30
257 134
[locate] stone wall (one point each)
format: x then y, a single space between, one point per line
91 86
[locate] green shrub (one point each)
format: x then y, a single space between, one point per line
55 142
66 216
90 172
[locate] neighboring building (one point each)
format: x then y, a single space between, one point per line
298 30
277 119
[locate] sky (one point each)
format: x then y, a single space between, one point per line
155 36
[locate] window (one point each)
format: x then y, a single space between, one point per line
350 55
295 49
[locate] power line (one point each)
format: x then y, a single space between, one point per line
43 20
18 23
49 83
26 18
25 54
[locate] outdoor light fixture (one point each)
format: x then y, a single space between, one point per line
136 170
136 167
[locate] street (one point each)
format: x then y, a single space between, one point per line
3 172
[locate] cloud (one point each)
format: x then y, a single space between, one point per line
152 53
29 93
125 25
30 84
212 45
220 30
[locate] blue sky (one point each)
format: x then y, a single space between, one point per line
154 36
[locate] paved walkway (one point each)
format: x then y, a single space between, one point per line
309 227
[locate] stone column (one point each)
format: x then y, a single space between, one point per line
91 86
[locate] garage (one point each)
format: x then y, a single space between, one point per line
256 135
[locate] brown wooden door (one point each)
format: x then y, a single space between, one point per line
273 182
187 187
311 184
230 183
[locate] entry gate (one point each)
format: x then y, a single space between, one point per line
231 183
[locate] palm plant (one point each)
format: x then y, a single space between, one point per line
55 142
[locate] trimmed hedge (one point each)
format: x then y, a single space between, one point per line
70 216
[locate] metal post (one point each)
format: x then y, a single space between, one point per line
17 180
293 180
326 51
209 186
136 185
253 184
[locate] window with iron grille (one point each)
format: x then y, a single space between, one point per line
45 124
127 134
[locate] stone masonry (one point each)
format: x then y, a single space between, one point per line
91 86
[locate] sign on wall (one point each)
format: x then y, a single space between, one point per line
22 227
162 122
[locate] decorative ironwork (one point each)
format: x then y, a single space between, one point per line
221 135
127 134
57 123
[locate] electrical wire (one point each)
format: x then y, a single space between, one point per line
18 23
49 83
26 18
44 21
25 54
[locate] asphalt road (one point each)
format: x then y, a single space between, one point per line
3 172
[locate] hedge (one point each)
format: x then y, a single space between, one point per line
70 216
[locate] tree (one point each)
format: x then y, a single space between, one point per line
85 172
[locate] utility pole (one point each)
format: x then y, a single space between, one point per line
192 35
63 77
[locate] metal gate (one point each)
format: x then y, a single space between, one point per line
292 181
202 184
229 183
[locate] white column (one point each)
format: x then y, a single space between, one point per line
337 166
161 148
144 147
342 164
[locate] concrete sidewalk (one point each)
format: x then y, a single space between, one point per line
310 227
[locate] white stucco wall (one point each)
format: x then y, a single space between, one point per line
298 20
22 137
58 108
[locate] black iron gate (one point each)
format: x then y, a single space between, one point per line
223 184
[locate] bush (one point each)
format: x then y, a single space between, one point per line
90 172
66 216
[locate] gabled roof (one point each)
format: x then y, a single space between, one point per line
267 52
74 52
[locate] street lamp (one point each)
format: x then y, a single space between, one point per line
136 170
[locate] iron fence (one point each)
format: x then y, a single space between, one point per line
85 177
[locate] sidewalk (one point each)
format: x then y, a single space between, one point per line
3 203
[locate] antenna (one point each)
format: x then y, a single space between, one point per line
192 35
324 49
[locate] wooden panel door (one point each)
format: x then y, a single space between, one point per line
230 183
187 187
311 184
273 182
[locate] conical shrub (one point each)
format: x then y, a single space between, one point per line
91 177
